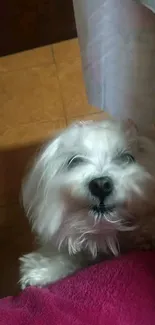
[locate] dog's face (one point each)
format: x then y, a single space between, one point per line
84 183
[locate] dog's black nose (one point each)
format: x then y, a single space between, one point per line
101 187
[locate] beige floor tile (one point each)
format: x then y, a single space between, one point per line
31 95
32 58
68 62
29 133
67 51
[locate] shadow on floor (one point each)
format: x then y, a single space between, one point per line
15 233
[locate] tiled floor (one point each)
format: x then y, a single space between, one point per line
41 91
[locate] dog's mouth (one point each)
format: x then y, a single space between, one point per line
114 214
102 209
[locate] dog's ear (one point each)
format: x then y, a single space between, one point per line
43 168
130 128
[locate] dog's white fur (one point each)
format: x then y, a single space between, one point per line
59 204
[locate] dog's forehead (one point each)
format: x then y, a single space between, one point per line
103 136
105 139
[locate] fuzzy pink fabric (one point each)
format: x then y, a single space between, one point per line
119 292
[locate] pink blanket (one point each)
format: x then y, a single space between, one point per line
120 292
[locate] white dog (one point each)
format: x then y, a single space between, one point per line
89 186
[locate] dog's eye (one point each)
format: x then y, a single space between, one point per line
74 161
127 158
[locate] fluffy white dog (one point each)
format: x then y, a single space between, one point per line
88 188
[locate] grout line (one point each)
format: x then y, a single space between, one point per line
54 120
59 84
28 67
52 53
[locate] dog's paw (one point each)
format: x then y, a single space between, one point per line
39 270
29 279
33 271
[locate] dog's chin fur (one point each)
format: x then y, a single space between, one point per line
63 212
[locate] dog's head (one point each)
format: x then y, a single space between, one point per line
84 183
